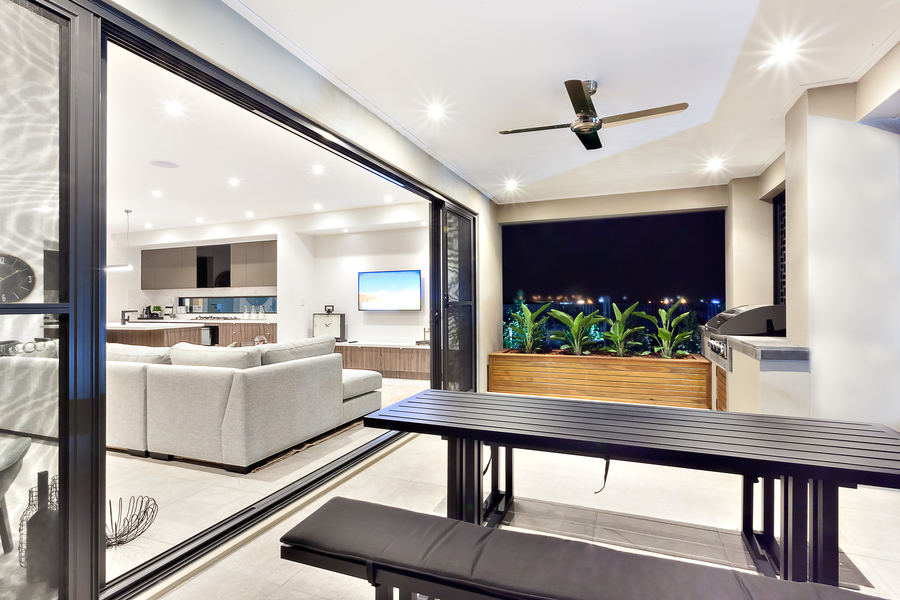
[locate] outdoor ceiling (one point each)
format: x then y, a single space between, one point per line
214 141
501 65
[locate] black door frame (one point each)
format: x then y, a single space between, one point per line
94 24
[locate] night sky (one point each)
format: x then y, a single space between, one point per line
641 258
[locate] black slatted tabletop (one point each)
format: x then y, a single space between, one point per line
844 452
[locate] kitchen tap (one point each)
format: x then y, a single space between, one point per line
124 318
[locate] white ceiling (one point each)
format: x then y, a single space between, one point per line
212 142
501 64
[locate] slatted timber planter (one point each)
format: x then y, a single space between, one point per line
685 382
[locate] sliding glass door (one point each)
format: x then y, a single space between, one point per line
454 348
48 299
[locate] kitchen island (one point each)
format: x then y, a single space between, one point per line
160 335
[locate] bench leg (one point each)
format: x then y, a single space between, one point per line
794 542
824 561
384 592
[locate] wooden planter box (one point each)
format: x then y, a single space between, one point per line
669 382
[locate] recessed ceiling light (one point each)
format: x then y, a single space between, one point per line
44 209
783 52
317 206
199 219
346 230
156 193
148 225
511 185
164 164
388 199
318 169
424 223
714 164
234 182
174 109
249 214
435 111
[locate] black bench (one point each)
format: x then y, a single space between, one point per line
449 559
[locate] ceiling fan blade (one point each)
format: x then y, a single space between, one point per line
527 129
591 141
580 97
643 115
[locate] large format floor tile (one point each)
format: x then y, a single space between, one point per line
644 508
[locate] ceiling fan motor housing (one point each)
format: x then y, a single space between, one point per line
586 124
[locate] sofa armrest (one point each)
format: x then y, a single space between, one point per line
126 405
185 409
277 406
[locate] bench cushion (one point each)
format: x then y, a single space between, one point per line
360 381
522 566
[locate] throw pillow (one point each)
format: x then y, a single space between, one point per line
141 354
285 351
192 355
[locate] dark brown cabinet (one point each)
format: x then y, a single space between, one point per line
252 264
169 268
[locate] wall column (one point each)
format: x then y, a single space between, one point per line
748 245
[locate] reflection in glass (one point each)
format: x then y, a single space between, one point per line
29 432
29 156
459 258
459 348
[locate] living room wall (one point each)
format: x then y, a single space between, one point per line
339 259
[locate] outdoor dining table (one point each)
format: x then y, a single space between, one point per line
811 457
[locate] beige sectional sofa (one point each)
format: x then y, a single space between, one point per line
232 406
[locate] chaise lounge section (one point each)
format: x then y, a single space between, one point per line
231 406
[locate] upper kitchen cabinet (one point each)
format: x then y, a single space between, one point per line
251 264
169 268
254 264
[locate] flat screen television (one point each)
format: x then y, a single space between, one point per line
390 290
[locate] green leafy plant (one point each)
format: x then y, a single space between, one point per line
619 334
665 335
157 308
576 337
526 331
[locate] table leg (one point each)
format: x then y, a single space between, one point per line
747 531
824 561
794 542
472 495
454 478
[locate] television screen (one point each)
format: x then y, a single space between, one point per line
390 290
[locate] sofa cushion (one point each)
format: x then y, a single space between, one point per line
359 381
192 355
285 351
141 354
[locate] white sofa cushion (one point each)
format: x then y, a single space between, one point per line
285 351
359 381
140 354
192 355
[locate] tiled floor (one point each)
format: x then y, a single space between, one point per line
192 497
412 475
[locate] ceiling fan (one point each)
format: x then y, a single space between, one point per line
587 123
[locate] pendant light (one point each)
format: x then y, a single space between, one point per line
126 266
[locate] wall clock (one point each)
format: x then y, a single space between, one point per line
330 324
17 279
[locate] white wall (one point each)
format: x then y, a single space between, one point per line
854 270
338 260
748 245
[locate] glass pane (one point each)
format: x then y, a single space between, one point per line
29 432
459 258
29 156
459 348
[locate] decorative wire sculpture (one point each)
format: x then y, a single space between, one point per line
131 523
53 504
